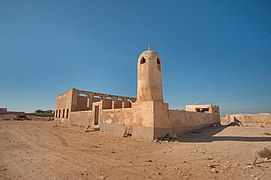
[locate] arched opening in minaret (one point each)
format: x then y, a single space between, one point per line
142 60
158 64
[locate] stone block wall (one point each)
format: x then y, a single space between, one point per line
249 119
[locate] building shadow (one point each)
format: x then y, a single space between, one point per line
208 135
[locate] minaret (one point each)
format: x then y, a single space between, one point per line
149 77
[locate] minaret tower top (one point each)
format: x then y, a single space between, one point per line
149 77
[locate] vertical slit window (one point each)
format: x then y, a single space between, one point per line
67 114
63 115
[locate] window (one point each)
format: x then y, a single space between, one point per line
59 112
143 60
56 113
82 95
67 114
158 64
158 61
63 115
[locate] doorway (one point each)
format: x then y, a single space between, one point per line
96 115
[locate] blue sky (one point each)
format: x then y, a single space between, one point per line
212 51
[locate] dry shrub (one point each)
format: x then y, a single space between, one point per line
265 153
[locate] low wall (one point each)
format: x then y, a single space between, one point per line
3 110
41 114
249 119
12 112
81 118
137 121
184 121
116 121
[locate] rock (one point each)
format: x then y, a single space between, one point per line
103 177
213 165
214 170
88 129
173 135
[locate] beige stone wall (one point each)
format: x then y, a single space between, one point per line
187 120
106 104
81 103
116 116
179 121
138 120
81 118
249 119
148 120
64 102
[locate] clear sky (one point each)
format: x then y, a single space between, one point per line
212 51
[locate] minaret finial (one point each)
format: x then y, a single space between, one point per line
149 47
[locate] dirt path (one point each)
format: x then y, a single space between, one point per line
38 150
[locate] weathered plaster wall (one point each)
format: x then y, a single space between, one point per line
184 121
107 104
81 103
115 120
117 104
64 102
249 119
145 119
138 120
81 118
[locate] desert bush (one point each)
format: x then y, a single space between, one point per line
265 153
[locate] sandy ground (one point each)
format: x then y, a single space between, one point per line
42 150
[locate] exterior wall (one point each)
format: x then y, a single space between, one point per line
106 104
212 108
184 121
180 121
116 121
81 103
148 119
138 120
81 118
117 104
64 102
162 124
249 119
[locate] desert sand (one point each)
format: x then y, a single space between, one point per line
48 150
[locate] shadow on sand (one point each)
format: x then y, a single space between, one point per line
209 135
